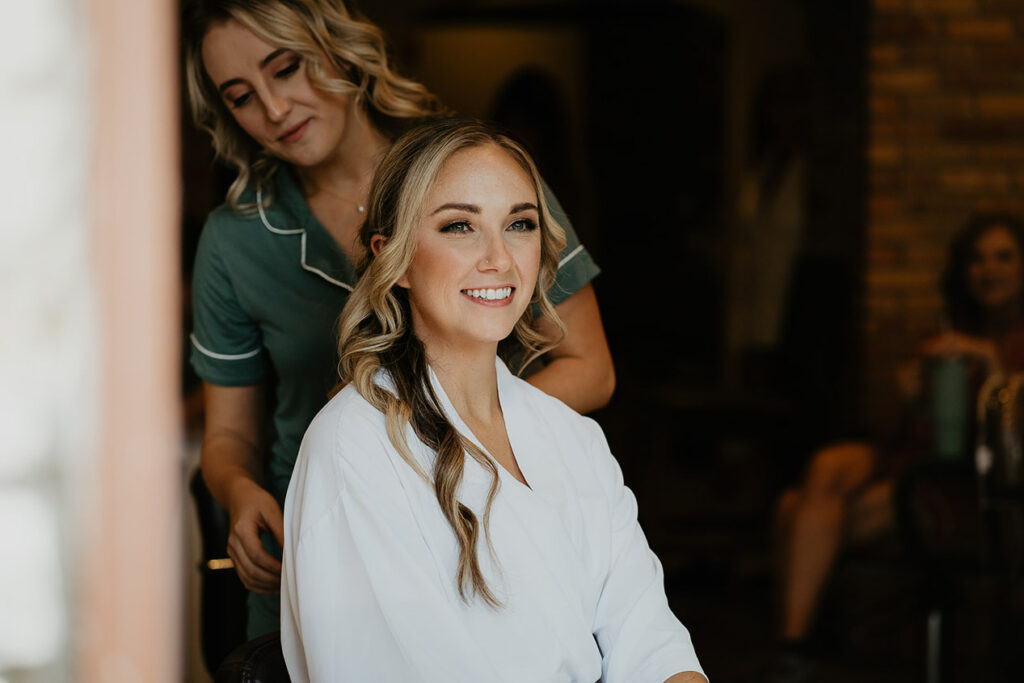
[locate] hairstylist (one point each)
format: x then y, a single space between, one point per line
298 95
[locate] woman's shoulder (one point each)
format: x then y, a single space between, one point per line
550 410
229 219
345 424
226 217
345 449
227 232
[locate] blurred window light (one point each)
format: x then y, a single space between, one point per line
48 345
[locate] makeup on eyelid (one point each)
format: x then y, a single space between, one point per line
463 227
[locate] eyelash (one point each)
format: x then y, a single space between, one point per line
463 226
528 225
284 73
241 100
456 227
290 69
1001 257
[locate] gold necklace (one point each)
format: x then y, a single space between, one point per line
360 206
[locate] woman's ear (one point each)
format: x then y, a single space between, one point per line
377 243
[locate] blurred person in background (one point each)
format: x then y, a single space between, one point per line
846 496
299 97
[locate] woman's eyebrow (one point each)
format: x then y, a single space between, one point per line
266 60
473 208
469 208
272 56
227 84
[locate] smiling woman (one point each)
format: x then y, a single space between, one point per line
447 521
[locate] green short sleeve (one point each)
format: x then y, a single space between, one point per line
576 267
227 347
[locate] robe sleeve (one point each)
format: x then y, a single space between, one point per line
641 640
361 596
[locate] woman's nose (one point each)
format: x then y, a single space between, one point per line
276 106
496 257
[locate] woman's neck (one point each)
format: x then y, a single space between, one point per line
352 164
336 189
470 381
1002 320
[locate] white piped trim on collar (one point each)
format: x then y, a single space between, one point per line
571 255
222 356
302 233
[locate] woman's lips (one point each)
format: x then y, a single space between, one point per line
491 296
296 133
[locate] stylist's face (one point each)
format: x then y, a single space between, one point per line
995 273
266 89
477 251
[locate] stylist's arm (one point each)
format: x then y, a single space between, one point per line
232 468
580 371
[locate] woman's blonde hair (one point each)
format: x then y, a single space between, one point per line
376 325
327 35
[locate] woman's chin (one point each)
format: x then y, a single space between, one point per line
995 304
465 343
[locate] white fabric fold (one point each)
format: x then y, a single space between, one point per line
369 591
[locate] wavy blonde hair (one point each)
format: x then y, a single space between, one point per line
376 325
326 34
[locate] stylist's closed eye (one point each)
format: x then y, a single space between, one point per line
290 69
240 101
243 99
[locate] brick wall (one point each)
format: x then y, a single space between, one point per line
946 137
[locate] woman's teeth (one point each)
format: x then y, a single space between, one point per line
490 294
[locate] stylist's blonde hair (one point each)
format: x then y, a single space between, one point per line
376 325
327 34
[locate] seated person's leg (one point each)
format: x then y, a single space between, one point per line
815 528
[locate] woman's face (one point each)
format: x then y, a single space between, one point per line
477 251
995 273
268 92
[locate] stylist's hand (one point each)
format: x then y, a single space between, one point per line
253 510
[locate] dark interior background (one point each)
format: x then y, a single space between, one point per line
645 118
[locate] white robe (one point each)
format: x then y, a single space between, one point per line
368 591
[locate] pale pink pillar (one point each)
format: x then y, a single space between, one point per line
128 625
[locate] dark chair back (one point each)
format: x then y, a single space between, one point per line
222 595
259 660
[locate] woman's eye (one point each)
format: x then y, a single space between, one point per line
456 226
240 100
1006 256
522 225
290 69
